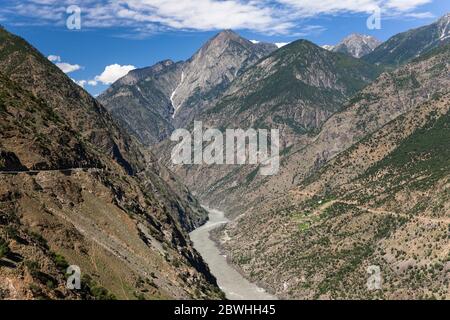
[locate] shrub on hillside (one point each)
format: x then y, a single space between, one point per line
4 248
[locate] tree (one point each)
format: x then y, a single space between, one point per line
4 248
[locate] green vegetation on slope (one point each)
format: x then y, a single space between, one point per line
424 154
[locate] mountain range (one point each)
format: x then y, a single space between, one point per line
364 177
171 94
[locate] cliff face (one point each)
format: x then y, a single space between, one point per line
78 190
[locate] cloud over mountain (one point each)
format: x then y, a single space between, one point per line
112 73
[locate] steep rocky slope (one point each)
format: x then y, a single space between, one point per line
356 45
151 102
77 190
377 196
23 64
406 46
141 101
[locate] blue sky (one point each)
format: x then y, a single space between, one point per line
116 36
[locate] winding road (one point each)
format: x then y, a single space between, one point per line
50 170
328 204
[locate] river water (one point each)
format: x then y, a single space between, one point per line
235 286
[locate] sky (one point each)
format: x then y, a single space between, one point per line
95 42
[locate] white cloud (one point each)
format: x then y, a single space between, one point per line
64 66
205 14
112 73
144 17
54 58
308 8
254 41
67 67
405 5
313 8
420 15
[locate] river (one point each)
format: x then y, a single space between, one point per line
235 286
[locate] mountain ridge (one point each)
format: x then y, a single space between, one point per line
408 45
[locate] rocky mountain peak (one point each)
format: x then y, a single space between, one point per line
212 69
168 94
359 37
134 76
357 45
157 67
227 40
223 41
227 34
162 64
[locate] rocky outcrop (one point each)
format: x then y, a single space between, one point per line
141 101
356 45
